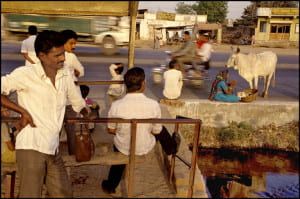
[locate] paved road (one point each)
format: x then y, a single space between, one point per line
96 68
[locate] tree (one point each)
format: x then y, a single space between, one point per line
182 8
247 17
216 11
274 4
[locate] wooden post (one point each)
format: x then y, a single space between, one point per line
132 158
133 7
219 35
173 158
194 160
10 184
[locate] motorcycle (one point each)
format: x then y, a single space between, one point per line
191 73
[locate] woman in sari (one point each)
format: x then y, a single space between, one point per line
221 90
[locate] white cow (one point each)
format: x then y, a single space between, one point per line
252 66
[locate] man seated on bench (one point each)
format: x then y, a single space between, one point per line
136 105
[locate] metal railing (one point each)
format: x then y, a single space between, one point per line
134 123
99 82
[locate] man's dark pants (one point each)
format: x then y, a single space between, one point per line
116 171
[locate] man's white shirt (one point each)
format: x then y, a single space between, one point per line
135 106
45 103
173 84
72 63
205 51
115 89
28 47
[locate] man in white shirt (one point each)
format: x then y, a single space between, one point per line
71 61
76 70
173 81
203 53
136 105
42 91
27 47
116 91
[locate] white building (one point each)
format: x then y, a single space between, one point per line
158 24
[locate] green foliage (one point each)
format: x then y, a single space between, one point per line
276 4
234 131
216 11
182 8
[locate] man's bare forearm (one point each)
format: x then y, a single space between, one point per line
25 116
26 56
11 105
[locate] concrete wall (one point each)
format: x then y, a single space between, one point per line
256 113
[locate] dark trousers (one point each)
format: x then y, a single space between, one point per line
116 171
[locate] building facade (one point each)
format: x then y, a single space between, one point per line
277 27
163 25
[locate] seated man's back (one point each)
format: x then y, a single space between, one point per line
138 106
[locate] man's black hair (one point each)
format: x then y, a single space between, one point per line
133 79
69 34
32 30
186 32
119 69
172 63
84 90
46 40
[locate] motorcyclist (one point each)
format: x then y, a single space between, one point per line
203 52
186 53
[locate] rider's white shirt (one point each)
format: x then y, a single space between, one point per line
205 51
173 84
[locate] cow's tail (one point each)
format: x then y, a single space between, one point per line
273 81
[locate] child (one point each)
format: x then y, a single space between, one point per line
116 91
8 153
93 105
173 81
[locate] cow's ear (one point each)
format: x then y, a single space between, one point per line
238 50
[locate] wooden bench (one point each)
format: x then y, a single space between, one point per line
109 158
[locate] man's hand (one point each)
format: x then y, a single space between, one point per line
88 114
233 82
24 121
76 73
111 131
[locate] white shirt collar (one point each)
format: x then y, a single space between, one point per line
41 72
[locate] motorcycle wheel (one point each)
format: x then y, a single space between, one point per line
157 78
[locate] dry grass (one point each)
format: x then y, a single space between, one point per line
285 137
